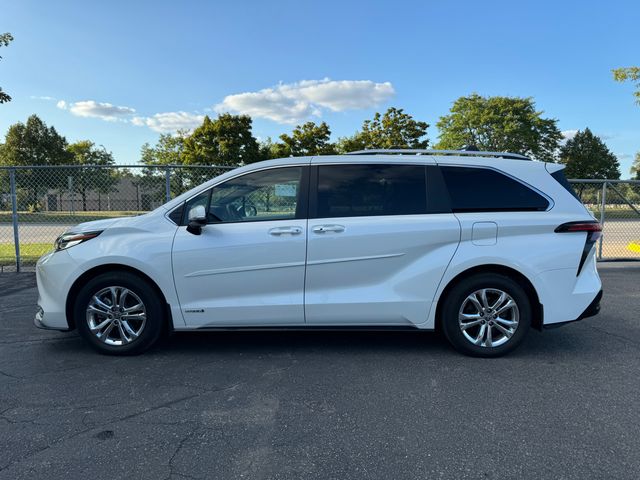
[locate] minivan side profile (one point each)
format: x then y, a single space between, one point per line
480 245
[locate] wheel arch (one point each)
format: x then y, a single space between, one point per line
538 310
110 268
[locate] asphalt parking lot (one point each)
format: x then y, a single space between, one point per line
312 405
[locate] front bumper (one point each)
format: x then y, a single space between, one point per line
38 321
55 272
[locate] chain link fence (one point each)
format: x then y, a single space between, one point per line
616 204
39 203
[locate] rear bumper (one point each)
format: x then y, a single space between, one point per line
565 296
592 310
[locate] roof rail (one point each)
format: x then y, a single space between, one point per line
462 153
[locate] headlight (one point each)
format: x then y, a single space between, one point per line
67 240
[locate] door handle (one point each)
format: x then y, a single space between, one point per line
285 231
328 228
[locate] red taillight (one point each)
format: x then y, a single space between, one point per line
579 227
593 231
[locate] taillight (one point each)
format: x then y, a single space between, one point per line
579 227
592 229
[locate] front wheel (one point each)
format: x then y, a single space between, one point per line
486 315
119 313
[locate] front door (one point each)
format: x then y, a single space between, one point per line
247 266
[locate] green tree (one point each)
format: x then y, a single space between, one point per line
269 149
587 156
635 168
33 143
499 124
101 180
5 40
393 129
306 139
629 74
169 150
227 140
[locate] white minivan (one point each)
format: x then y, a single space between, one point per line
480 245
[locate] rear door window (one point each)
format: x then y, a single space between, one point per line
370 190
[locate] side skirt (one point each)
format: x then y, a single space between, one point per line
302 328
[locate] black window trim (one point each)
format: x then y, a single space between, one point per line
302 202
550 201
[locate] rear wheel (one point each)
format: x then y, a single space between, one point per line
119 313
486 315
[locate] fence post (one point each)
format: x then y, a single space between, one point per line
72 195
167 180
603 203
14 216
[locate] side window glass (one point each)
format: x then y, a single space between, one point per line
371 190
485 190
265 195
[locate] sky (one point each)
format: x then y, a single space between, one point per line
121 72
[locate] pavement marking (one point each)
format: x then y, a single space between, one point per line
634 247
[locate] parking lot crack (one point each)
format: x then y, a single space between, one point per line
64 438
10 375
619 337
172 471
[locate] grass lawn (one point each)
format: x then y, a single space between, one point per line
622 212
29 252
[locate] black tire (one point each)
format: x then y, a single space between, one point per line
494 283
150 331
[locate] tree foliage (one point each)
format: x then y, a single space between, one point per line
5 40
629 74
635 167
499 124
393 129
33 143
587 156
306 139
102 180
269 149
227 140
169 150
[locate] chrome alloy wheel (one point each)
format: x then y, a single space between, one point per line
116 316
488 317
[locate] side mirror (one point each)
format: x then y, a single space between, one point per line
197 219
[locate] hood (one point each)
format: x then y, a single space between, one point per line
100 224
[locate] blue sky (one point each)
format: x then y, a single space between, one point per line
119 72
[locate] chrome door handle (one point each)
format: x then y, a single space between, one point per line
328 228
285 231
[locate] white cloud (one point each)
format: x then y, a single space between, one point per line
102 110
169 122
42 97
295 102
568 134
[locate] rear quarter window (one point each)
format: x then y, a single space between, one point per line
562 180
485 190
